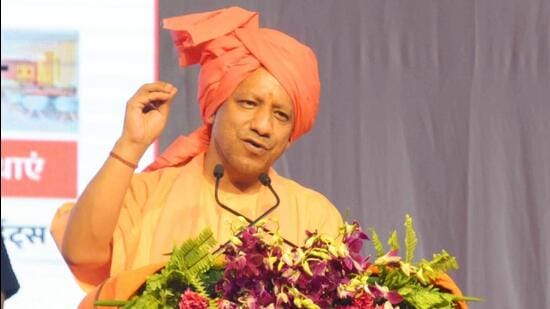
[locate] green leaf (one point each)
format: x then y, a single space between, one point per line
196 282
378 246
441 262
427 298
213 304
111 303
395 279
309 304
186 268
410 239
393 241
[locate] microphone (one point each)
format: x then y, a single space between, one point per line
218 171
218 174
264 180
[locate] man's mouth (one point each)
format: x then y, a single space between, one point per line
254 146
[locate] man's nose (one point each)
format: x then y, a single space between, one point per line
262 122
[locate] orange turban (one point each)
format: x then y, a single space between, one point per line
229 45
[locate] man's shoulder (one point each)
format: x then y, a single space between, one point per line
320 212
157 179
303 193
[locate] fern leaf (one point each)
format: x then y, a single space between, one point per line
442 262
410 239
184 269
378 246
213 303
393 241
198 284
202 265
427 297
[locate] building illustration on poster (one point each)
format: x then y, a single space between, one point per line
39 81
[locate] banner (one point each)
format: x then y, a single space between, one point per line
39 169
68 69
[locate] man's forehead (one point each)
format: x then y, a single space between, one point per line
261 85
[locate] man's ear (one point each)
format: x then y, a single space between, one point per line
211 119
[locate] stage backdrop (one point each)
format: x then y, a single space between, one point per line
68 68
440 109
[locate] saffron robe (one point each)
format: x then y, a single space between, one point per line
165 207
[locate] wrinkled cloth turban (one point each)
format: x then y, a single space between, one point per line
229 46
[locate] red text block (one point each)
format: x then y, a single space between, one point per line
38 168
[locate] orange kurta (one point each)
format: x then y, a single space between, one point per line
167 206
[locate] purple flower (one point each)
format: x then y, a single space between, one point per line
384 293
257 274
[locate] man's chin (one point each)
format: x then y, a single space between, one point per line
247 167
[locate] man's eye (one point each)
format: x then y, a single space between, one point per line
248 104
282 116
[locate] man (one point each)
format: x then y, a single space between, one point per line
258 92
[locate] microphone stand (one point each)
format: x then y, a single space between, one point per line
266 181
218 174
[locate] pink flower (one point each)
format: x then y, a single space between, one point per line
192 300
364 301
382 292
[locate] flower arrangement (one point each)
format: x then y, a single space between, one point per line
256 270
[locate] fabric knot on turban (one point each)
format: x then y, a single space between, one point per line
229 46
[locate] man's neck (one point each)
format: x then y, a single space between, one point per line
231 181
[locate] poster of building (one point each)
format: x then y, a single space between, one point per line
39 81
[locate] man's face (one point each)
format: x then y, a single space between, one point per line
252 129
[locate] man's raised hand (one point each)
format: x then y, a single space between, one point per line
147 113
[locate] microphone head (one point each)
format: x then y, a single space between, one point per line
264 179
218 171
